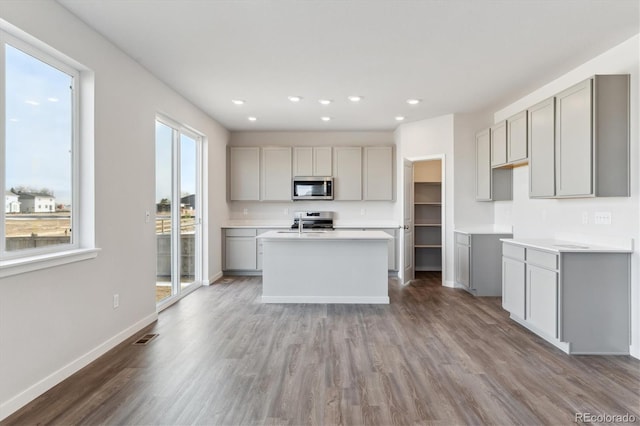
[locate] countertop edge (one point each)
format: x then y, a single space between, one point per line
555 246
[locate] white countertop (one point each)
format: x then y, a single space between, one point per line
325 235
286 224
559 246
484 229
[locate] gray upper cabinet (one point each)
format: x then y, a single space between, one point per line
542 149
499 144
276 173
244 173
517 138
592 138
347 173
574 148
312 161
378 173
491 184
483 165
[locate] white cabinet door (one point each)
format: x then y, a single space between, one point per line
574 142
513 286
542 149
517 137
483 166
312 161
276 174
347 174
542 299
322 161
244 173
240 253
499 144
302 161
462 263
378 173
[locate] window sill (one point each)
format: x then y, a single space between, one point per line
44 261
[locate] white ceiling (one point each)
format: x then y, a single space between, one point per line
456 55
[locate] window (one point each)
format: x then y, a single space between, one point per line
40 165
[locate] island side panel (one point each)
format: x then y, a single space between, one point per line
595 302
325 271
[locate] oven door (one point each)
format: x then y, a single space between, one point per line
312 188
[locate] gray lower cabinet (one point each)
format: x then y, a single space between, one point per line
576 300
239 249
477 262
242 251
513 280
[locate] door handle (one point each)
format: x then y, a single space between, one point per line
406 227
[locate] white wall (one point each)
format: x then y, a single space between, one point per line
54 321
345 211
468 211
562 219
418 141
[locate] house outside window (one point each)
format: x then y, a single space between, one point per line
42 153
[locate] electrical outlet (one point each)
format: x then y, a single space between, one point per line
245 211
147 216
602 218
585 218
116 301
363 212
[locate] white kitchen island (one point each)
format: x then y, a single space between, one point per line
325 267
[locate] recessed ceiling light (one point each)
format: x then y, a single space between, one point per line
30 102
355 98
53 99
325 118
295 98
251 118
238 101
325 101
413 101
399 118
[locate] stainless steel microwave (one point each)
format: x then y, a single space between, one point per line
312 188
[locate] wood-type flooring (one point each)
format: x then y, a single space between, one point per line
433 356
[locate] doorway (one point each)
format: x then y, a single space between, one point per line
178 212
424 216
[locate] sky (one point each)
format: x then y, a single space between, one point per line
39 132
38 125
164 163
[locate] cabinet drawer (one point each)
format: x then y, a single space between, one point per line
240 232
462 239
542 258
515 252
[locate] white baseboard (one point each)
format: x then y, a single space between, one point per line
326 299
448 283
634 351
32 392
215 278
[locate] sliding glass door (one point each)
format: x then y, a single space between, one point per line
178 211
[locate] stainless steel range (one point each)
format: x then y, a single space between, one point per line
313 220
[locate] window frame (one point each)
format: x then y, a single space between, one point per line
81 245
